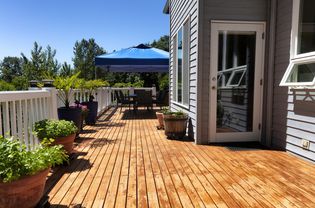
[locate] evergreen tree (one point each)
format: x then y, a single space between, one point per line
85 52
11 67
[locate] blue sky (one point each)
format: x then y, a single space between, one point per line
114 24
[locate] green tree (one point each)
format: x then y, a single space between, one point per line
85 52
66 70
42 63
20 83
5 86
162 43
11 67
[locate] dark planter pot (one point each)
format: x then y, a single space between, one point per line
25 192
71 114
90 119
175 126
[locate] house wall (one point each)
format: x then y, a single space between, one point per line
231 10
294 111
180 10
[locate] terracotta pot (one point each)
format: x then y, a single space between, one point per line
67 142
25 192
175 126
159 116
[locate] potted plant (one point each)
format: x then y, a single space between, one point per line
92 105
23 173
160 118
175 124
65 85
62 132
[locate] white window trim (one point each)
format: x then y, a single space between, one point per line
175 67
296 58
233 71
305 60
232 77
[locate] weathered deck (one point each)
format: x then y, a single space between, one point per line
124 161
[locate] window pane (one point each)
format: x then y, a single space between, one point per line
237 78
174 85
302 73
186 46
179 65
306 37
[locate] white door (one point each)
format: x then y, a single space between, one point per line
236 77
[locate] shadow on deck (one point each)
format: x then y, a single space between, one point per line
124 161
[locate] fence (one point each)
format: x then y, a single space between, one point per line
19 110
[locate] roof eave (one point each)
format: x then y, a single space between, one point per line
166 9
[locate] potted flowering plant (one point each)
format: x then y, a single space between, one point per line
175 124
91 86
23 172
65 85
62 132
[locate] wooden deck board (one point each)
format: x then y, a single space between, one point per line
124 161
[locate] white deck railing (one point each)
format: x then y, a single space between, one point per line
19 110
102 96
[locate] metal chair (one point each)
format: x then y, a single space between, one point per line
144 98
122 100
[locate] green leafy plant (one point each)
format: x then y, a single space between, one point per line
164 82
52 129
16 161
65 86
92 85
5 86
174 113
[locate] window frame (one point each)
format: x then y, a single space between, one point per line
232 71
175 65
241 68
295 58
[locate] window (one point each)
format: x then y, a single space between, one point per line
181 62
301 70
233 77
237 77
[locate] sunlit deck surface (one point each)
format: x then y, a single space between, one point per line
124 161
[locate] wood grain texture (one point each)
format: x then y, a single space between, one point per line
124 161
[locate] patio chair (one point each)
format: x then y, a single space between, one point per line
144 99
122 100
162 98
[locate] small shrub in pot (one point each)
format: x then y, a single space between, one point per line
23 172
175 124
63 132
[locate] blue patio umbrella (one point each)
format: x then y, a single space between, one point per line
141 58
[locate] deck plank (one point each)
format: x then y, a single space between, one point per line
124 161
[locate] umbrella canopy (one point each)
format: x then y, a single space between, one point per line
135 59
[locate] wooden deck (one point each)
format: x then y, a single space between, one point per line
124 161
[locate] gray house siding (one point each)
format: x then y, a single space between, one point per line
243 10
180 10
289 115
293 110
282 59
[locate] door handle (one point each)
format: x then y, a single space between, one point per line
213 88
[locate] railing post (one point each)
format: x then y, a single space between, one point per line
53 105
109 99
131 90
154 91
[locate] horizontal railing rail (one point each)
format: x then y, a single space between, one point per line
19 110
